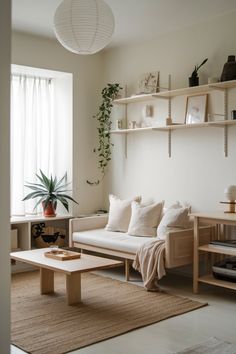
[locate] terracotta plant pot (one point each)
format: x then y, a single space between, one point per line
50 210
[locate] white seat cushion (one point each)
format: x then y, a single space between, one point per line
118 241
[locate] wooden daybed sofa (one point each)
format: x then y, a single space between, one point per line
89 234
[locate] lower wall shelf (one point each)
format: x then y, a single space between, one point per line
219 124
169 128
127 131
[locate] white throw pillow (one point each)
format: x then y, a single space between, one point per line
177 205
145 219
173 218
119 213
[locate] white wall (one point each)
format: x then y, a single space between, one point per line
5 42
198 170
49 54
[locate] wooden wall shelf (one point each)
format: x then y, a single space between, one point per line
219 124
127 131
135 98
168 95
178 92
183 91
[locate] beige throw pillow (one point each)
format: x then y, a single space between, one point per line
145 219
173 218
119 213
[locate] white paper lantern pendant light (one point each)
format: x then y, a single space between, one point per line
83 26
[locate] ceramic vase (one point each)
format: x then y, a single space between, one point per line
229 70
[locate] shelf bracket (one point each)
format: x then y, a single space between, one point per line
169 116
126 124
169 143
226 141
226 127
169 98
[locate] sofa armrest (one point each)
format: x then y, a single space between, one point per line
179 245
86 223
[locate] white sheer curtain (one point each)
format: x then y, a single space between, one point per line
33 140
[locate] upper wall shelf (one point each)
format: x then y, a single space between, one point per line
135 98
223 85
183 91
178 92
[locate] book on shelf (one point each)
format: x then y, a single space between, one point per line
223 243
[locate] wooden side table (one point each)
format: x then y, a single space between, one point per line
231 207
218 219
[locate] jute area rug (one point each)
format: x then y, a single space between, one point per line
43 324
211 346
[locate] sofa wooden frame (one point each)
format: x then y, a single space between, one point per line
178 248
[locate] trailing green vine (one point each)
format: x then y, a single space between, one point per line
109 93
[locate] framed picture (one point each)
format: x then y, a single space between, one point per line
148 83
196 109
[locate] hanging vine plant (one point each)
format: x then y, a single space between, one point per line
109 93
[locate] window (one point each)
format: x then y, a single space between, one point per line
41 136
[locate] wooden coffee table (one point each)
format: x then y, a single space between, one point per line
71 268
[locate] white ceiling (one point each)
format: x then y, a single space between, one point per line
135 20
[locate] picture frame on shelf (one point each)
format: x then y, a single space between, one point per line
148 83
196 109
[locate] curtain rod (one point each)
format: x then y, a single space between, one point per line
31 76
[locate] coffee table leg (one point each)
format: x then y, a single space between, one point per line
46 281
73 288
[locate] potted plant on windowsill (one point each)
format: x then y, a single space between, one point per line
49 191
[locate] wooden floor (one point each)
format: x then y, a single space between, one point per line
218 320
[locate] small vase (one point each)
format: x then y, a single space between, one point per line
193 81
50 210
229 70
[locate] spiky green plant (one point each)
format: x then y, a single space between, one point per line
49 190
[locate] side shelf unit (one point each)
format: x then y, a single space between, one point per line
168 95
218 219
209 278
23 226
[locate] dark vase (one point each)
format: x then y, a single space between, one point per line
229 70
193 81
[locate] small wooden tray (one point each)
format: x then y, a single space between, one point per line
62 255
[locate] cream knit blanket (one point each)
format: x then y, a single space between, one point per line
149 261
